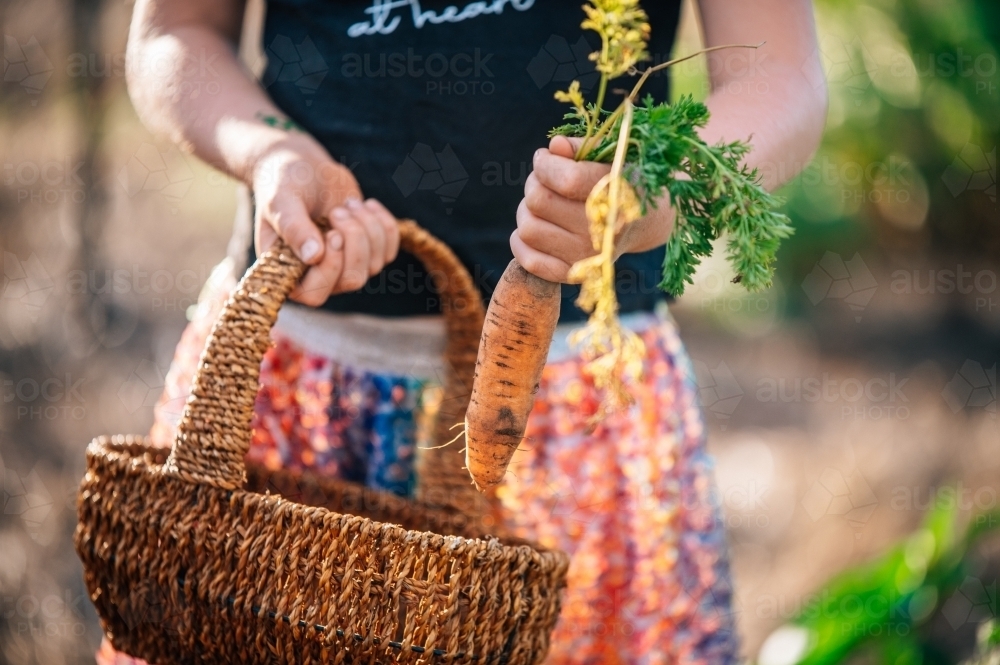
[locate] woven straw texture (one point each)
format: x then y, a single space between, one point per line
192 556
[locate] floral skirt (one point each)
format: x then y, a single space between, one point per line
632 501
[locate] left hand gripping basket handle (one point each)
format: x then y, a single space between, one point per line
214 432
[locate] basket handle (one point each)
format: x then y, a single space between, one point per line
214 431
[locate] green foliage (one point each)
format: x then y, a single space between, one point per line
899 96
987 644
710 190
881 606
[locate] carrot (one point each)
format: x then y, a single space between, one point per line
520 322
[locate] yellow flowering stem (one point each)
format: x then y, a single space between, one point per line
609 122
614 191
614 194
595 140
602 88
610 358
592 118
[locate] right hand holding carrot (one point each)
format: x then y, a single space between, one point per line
553 231
295 182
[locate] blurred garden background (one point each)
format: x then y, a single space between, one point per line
852 408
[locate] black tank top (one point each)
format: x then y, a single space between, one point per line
437 110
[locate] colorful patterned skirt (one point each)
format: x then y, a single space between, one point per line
632 501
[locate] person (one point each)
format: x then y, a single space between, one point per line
364 114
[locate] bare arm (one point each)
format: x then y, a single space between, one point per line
187 84
774 97
179 51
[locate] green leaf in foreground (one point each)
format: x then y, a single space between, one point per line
709 189
881 607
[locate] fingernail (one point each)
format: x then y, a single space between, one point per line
336 241
310 248
353 203
340 213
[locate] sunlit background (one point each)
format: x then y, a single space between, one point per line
845 404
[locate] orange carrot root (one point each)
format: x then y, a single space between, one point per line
520 322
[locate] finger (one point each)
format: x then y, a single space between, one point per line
391 226
548 238
568 146
571 179
287 215
376 234
550 206
356 251
537 263
319 280
564 146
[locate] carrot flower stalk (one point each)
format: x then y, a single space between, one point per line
613 353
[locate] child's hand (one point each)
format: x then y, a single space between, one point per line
553 232
295 182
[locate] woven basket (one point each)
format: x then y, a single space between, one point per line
192 556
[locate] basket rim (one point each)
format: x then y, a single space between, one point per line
116 449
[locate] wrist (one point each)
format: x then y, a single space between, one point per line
649 232
263 145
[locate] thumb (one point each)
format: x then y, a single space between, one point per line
291 220
564 146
